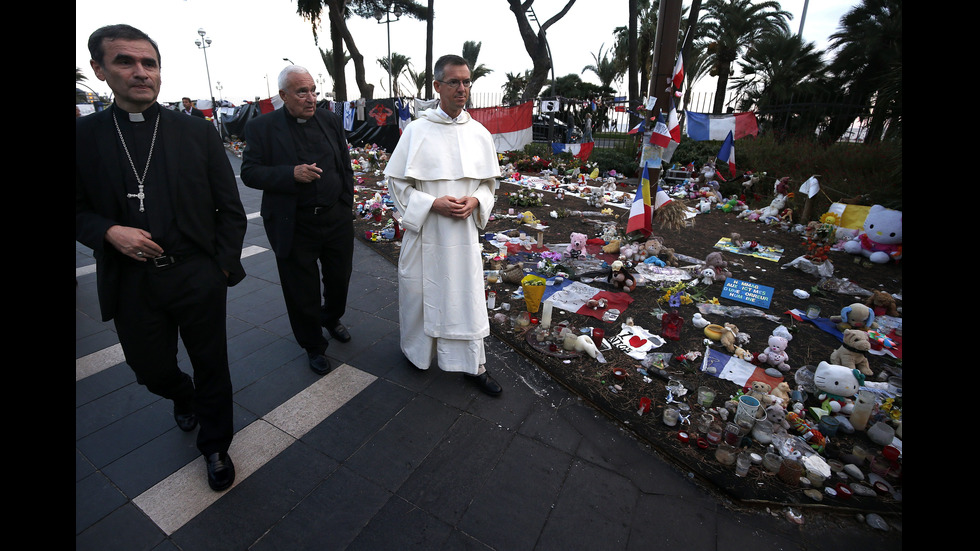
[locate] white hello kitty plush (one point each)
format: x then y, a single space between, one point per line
881 239
837 385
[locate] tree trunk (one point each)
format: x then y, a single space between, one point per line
536 45
634 87
336 11
339 60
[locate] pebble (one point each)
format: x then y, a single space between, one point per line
863 490
852 470
875 521
815 495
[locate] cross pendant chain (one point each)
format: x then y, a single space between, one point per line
139 180
140 195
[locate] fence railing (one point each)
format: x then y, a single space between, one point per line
784 118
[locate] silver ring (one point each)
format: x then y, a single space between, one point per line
139 253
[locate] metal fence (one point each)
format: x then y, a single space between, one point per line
784 118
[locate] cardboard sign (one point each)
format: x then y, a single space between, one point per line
747 292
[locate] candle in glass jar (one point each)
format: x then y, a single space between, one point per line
546 315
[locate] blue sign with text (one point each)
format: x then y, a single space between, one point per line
747 292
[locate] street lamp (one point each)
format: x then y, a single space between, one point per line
204 46
386 14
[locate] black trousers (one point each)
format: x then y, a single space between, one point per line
320 261
186 299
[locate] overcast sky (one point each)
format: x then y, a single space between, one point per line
250 38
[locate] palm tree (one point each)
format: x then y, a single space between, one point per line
513 89
471 51
777 72
868 65
731 27
399 63
338 11
604 68
417 80
646 35
328 62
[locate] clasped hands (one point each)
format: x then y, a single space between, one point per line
451 207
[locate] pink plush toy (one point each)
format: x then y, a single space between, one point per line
577 246
775 354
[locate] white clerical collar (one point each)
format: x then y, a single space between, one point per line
446 115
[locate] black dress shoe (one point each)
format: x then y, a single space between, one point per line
185 417
186 421
339 332
319 363
221 471
486 383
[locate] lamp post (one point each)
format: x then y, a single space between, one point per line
204 43
386 14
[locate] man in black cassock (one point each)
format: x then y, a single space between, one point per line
157 202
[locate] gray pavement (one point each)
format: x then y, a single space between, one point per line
380 455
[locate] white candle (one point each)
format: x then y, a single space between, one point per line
546 316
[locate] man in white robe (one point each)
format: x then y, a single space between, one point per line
442 176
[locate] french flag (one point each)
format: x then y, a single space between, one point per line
678 79
640 128
575 297
641 210
727 152
509 126
673 125
661 134
578 150
702 126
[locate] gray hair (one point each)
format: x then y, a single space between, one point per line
289 70
439 71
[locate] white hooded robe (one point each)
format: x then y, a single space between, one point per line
441 304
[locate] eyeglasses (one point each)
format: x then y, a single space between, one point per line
306 93
454 83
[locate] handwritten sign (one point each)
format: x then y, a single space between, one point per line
747 292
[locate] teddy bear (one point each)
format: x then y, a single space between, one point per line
781 392
881 237
838 385
882 303
851 353
729 337
855 316
718 265
621 278
776 414
576 247
761 392
775 354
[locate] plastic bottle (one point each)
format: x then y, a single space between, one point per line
862 409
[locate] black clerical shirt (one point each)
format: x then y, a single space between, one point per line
312 146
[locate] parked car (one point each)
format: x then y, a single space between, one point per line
539 129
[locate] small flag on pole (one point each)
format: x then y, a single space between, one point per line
641 210
727 152
660 135
678 78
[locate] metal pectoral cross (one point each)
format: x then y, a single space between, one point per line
140 195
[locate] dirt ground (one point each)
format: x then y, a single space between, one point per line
621 399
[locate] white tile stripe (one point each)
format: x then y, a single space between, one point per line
97 361
176 500
246 252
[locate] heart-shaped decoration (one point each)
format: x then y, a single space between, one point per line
637 342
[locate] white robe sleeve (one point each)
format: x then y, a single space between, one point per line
413 203
485 194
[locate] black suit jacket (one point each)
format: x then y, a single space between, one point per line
203 192
267 164
195 112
